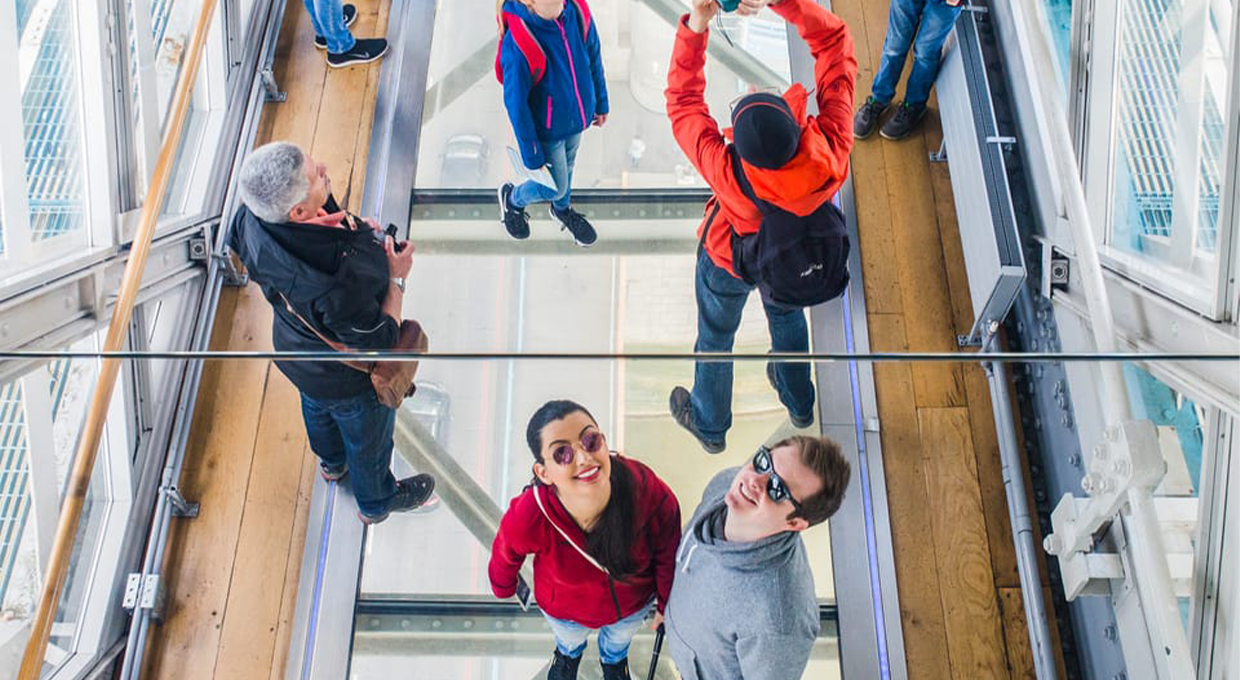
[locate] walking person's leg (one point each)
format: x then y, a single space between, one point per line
707 410
329 22
936 23
530 191
583 232
614 641
792 380
903 16
366 427
570 643
324 437
564 190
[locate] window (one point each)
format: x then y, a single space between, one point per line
1171 75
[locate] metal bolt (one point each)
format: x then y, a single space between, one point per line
1120 467
1111 633
1075 460
1100 452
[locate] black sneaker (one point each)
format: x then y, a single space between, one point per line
332 473
411 492
681 405
616 671
867 117
364 51
576 224
904 122
514 219
799 423
563 667
350 15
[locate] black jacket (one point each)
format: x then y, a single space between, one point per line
336 279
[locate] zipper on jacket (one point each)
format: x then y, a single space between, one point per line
548 112
572 71
611 583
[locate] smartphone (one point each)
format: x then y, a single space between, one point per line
523 593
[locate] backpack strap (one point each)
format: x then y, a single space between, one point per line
534 55
591 560
584 17
746 187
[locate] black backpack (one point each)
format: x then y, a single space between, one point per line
794 261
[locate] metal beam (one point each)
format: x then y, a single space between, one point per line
49 314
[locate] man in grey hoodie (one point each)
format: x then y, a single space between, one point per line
743 605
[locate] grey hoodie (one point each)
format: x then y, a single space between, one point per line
739 610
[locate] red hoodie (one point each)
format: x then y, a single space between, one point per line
817 171
566 585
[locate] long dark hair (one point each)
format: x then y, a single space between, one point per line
609 540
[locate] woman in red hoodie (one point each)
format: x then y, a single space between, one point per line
603 530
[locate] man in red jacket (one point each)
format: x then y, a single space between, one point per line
792 160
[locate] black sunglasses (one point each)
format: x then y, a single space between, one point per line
591 442
776 488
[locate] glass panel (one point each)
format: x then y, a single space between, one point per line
51 117
38 440
1059 23
465 129
1150 105
508 645
171 23
1180 436
630 293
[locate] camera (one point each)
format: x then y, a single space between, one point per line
728 5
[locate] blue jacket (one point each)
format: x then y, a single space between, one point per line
571 92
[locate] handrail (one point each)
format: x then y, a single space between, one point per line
118 330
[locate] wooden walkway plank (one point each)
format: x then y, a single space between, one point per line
917 578
338 139
1019 651
200 554
253 608
876 240
990 477
971 611
292 566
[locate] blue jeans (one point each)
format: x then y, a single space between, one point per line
931 21
356 431
328 19
720 300
560 155
613 639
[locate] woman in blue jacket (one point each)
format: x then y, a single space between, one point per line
554 88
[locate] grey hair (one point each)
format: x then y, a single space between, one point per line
273 180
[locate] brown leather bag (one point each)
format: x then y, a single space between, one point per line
392 380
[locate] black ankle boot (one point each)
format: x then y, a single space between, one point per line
616 671
563 667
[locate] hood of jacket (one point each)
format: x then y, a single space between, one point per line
302 261
705 533
804 183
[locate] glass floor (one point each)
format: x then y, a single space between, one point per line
424 600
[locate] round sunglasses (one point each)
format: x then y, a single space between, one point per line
591 442
776 488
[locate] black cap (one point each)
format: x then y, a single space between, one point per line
764 130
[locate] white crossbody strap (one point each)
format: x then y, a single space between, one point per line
591 560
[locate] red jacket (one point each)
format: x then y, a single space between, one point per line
566 585
817 171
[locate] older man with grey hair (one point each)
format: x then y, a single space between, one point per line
328 277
